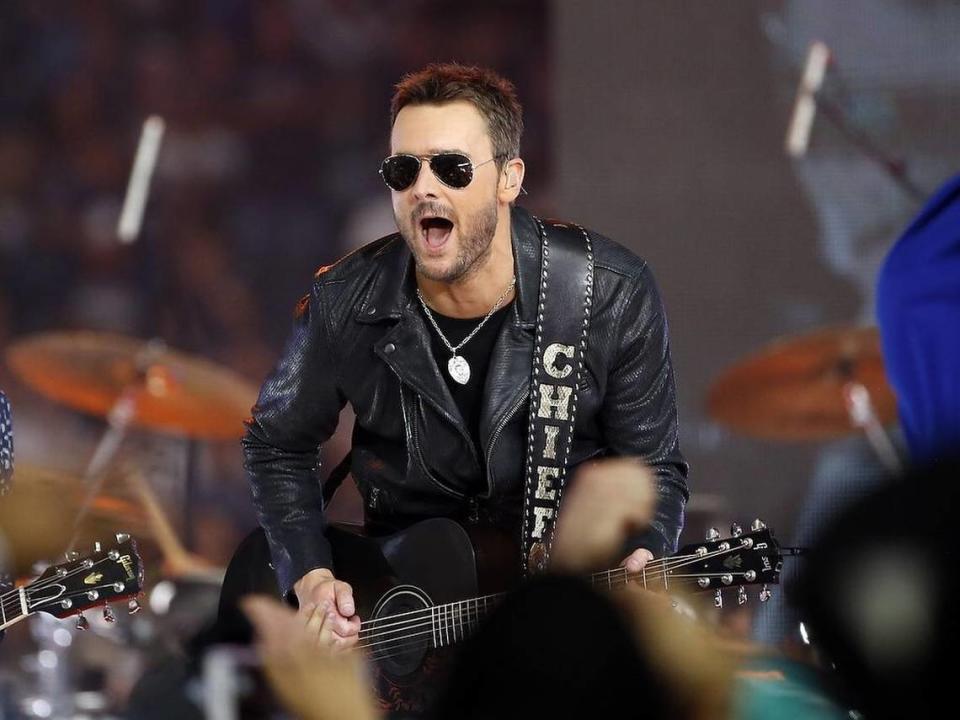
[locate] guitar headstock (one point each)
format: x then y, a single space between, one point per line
110 573
752 558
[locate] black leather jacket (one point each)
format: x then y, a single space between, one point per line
360 337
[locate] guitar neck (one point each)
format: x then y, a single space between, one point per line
449 623
712 565
13 607
656 575
452 622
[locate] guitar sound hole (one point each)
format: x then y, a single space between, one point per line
402 630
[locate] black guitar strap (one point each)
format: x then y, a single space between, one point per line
563 319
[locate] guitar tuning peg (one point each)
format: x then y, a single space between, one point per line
96 546
122 537
758 525
133 607
741 595
71 555
713 534
108 615
736 530
718 599
82 623
765 594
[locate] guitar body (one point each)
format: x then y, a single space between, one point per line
418 591
433 562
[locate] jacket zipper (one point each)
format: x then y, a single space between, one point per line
416 445
496 436
423 465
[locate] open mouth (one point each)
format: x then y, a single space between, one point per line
435 231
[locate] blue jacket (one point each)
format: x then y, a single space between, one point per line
918 310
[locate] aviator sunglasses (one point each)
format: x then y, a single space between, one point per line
452 169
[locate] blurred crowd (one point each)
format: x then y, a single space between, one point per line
276 119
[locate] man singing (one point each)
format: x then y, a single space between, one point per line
429 334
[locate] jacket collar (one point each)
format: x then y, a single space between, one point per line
405 347
394 287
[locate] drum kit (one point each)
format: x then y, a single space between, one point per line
818 386
132 385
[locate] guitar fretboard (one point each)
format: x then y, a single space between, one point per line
13 607
443 625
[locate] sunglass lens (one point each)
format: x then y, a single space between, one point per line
452 169
400 171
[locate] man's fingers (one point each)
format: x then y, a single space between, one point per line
345 627
344 595
341 642
638 560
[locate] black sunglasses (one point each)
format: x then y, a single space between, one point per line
452 169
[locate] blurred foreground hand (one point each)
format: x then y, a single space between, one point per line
311 681
608 500
693 662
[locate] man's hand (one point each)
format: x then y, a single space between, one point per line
637 560
327 606
609 500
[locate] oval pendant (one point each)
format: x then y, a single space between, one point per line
459 369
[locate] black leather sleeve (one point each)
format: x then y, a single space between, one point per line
297 410
639 413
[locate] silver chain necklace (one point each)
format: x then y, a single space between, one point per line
457 365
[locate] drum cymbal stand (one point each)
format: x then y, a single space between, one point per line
119 419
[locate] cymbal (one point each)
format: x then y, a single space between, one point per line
794 389
172 391
37 516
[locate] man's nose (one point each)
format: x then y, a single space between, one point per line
426 185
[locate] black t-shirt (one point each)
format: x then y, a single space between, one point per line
477 352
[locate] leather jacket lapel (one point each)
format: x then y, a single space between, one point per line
406 349
508 379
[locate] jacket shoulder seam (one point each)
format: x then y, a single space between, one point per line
356 263
328 333
632 273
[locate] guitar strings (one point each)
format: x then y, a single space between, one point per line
450 625
366 626
444 617
468 611
622 576
449 615
373 623
454 625
421 640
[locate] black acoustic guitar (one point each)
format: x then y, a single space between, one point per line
426 588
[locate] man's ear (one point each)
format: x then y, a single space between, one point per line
512 183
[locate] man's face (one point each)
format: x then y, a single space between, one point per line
449 230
